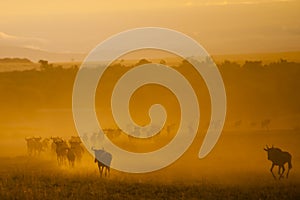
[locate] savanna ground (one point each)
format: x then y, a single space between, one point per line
219 176
22 178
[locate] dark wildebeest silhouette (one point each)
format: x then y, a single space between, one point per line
34 145
61 149
30 145
53 144
45 144
103 159
279 157
75 145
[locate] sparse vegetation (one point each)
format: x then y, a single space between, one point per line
40 179
259 90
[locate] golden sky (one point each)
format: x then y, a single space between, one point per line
222 27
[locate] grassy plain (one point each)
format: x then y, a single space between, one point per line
28 178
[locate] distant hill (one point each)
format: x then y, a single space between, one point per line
35 55
264 57
15 60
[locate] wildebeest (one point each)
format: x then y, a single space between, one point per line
45 144
71 150
279 158
61 149
53 145
113 133
34 145
103 159
75 145
30 145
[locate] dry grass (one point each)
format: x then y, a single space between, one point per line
29 178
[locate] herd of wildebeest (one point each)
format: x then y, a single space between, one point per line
67 152
70 151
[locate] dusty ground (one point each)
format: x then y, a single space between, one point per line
38 178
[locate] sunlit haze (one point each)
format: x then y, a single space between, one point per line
222 27
110 99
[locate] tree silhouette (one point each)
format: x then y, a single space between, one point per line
142 61
44 65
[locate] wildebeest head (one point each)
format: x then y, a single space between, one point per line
29 139
75 139
37 139
272 152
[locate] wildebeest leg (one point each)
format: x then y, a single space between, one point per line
272 170
100 169
283 169
107 171
71 163
289 167
58 160
29 151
